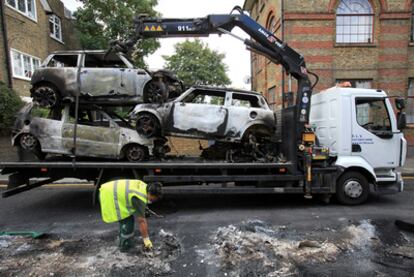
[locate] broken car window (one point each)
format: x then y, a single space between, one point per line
244 100
99 61
63 61
206 97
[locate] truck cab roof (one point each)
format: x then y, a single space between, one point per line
355 91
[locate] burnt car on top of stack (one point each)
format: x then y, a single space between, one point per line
100 77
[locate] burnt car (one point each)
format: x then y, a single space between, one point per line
219 114
99 134
101 77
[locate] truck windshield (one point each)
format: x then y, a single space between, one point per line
372 114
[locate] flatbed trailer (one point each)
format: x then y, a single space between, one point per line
232 177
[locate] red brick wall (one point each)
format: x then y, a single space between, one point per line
310 28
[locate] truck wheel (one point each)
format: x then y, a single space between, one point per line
46 95
147 125
136 153
352 188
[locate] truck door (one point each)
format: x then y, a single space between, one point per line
202 113
373 135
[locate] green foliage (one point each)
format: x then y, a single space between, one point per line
100 21
196 64
10 103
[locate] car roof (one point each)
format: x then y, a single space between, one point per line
228 89
79 52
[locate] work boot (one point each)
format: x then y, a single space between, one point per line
126 232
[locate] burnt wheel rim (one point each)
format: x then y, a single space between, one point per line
28 142
135 153
146 126
46 97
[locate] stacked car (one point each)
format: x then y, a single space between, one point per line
102 83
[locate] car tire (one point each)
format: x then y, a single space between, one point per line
352 188
147 125
30 143
136 153
46 95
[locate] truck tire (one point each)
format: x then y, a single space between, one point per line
352 188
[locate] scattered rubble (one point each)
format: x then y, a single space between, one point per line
89 256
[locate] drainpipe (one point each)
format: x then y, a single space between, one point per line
282 26
6 45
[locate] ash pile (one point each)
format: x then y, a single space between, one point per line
254 248
98 256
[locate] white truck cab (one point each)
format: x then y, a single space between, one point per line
360 129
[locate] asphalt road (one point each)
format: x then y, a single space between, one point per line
67 212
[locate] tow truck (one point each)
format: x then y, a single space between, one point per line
347 143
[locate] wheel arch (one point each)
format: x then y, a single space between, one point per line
122 154
357 164
261 125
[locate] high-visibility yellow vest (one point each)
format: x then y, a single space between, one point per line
116 198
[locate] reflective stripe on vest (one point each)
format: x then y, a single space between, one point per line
116 198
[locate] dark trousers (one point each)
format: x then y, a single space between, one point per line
126 232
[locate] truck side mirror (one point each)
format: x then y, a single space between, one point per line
400 103
401 121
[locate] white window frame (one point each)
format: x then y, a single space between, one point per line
32 58
26 14
52 19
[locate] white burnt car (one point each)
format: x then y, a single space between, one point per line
99 134
207 113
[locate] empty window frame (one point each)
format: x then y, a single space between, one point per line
63 61
25 7
102 60
245 100
206 97
23 65
354 22
55 27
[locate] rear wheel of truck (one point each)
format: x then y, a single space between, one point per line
352 188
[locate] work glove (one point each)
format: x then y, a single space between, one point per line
147 244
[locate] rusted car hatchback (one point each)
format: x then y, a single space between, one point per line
207 113
101 78
99 134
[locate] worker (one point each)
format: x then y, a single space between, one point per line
121 200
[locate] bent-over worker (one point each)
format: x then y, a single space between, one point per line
121 200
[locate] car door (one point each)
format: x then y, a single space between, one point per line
97 134
100 78
200 114
373 136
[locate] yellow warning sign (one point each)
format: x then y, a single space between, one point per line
159 28
146 28
153 28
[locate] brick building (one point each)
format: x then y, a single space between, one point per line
367 42
31 29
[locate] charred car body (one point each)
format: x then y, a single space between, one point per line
101 77
99 134
220 114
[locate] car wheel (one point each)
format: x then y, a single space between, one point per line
155 92
147 125
136 153
352 188
29 143
47 96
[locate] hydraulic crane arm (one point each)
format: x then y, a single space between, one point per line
264 42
